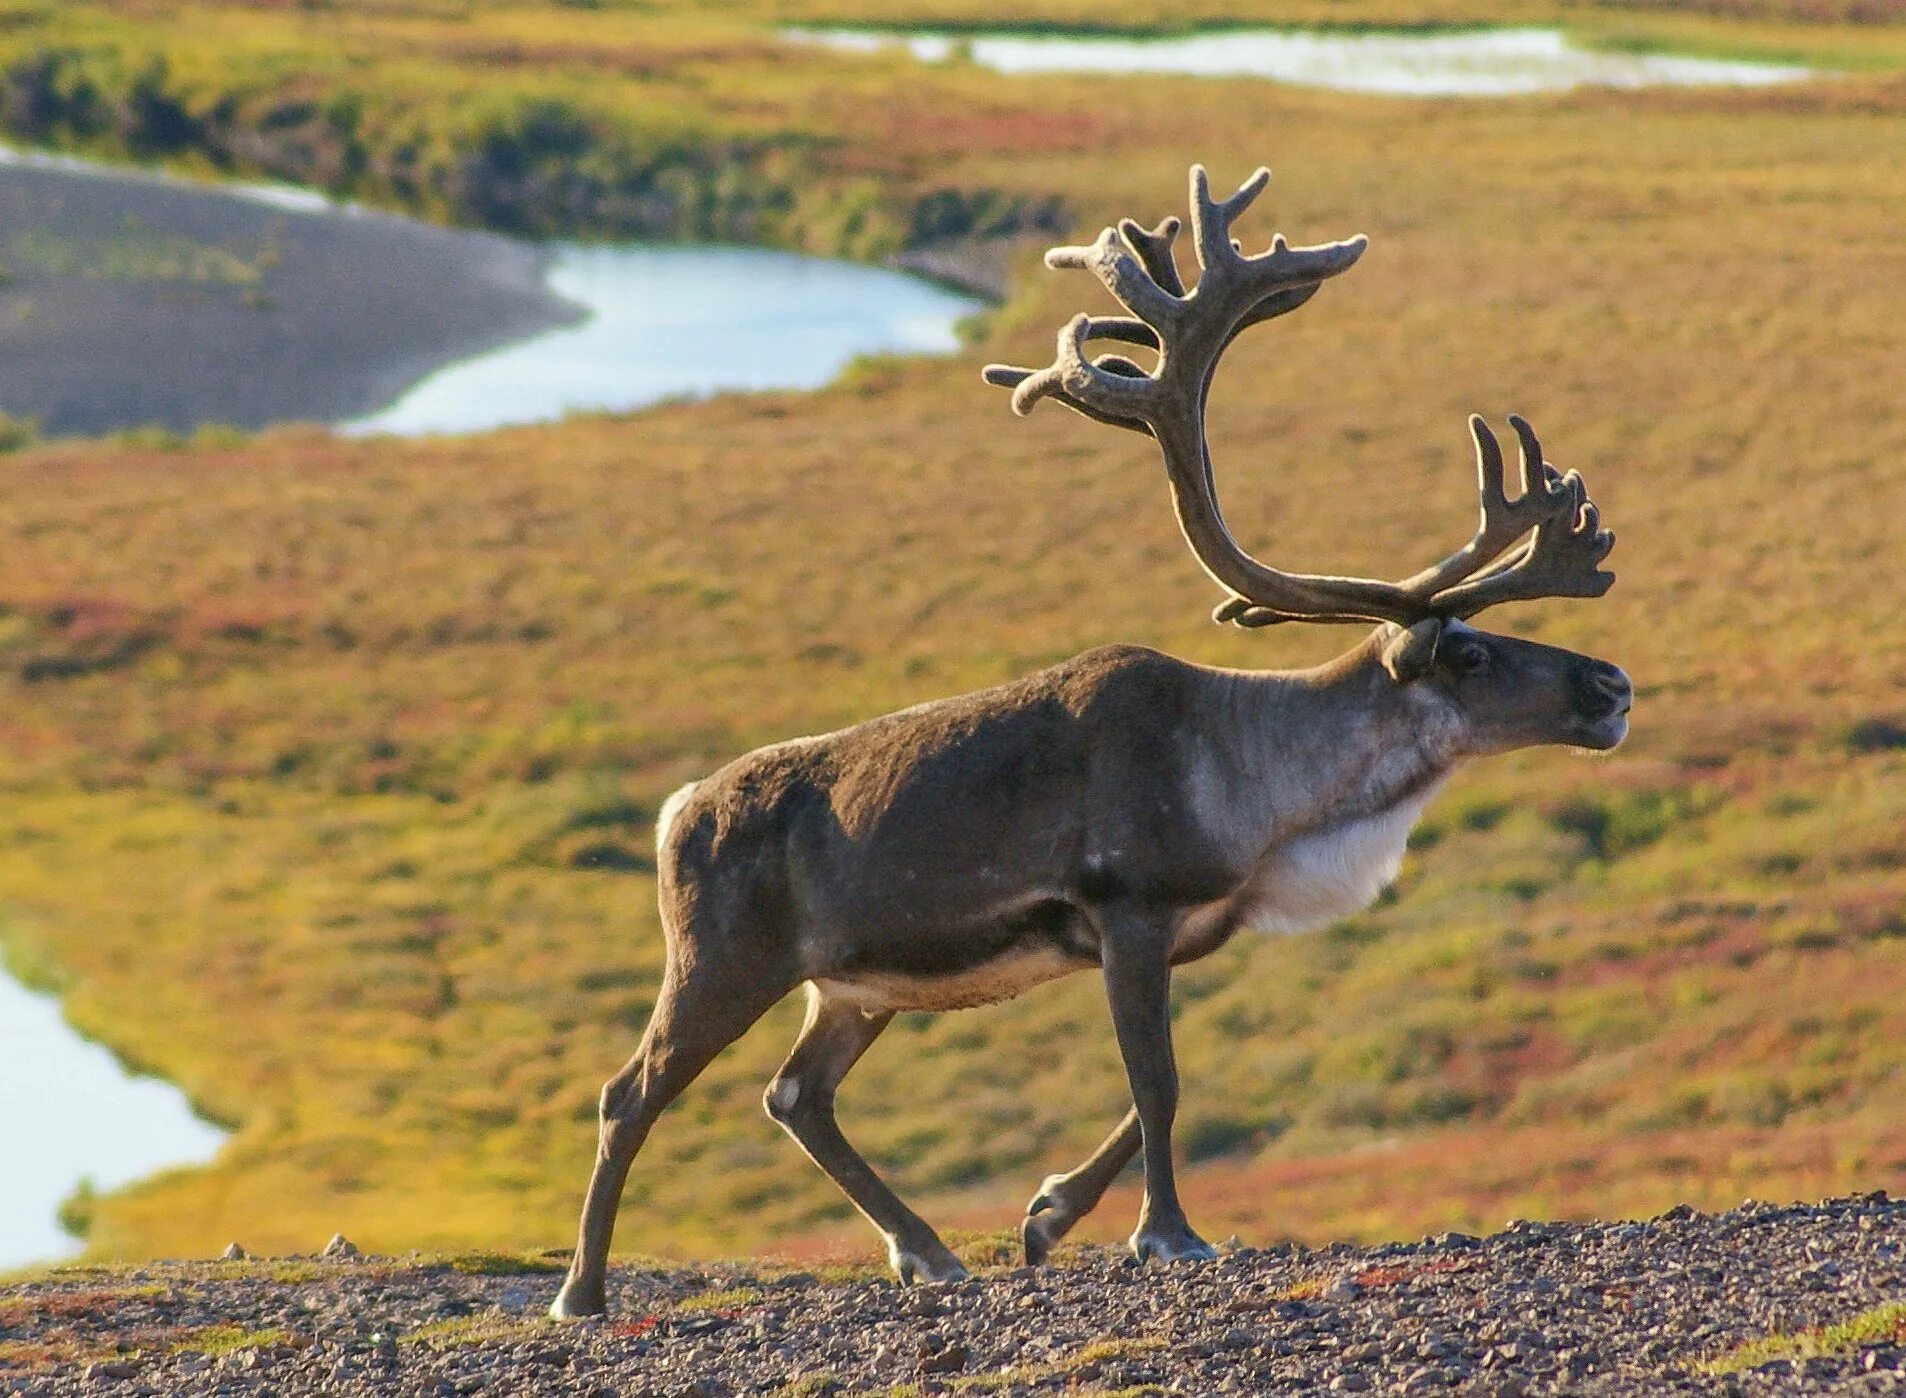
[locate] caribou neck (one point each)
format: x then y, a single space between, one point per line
1309 750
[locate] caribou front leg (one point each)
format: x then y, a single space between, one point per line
1065 1199
801 1099
1136 952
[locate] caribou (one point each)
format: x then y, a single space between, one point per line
1122 812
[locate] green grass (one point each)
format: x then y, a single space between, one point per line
724 1298
501 1264
221 1340
307 741
1882 1324
472 1330
1081 1365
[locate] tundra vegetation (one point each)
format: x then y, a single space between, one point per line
329 765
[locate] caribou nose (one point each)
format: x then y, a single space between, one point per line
1606 692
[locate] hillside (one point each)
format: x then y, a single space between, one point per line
328 765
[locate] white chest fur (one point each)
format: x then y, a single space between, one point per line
1317 878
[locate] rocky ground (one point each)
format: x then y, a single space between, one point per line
1681 1303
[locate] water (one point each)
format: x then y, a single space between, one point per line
70 1112
1481 63
666 322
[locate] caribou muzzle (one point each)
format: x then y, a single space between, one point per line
1601 696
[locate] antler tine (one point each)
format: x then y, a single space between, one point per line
1503 521
1113 389
1229 273
1211 219
1562 560
1534 466
1010 376
1126 277
1153 246
1563 557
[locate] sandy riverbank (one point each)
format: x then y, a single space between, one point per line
128 301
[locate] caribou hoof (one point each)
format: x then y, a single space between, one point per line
930 1266
1178 1244
578 1301
1040 1233
1045 1223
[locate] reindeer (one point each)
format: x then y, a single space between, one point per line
1124 811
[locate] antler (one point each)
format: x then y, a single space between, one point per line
1190 330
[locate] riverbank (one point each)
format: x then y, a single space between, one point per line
1760 1299
128 301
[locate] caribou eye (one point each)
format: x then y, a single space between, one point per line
1467 658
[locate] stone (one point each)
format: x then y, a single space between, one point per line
949 1359
234 1253
340 1249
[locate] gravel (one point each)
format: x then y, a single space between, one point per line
1604 1308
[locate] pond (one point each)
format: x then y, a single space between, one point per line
72 1113
1473 63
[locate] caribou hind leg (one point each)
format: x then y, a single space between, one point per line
801 1099
1065 1199
705 1004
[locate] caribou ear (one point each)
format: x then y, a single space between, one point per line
1408 654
